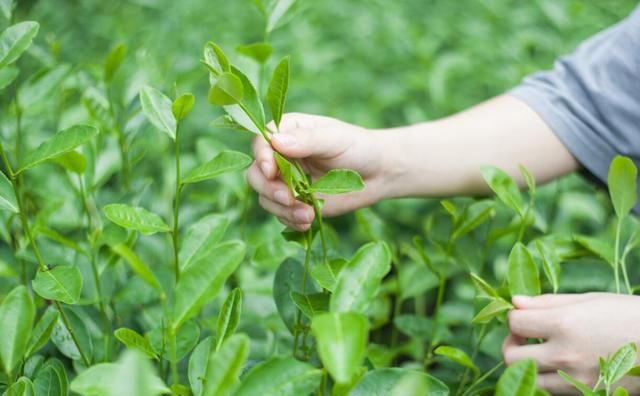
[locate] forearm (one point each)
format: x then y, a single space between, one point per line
444 157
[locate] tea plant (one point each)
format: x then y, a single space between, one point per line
134 262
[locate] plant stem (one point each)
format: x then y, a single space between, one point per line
298 322
440 296
479 380
476 348
619 262
616 256
176 208
27 229
122 142
173 350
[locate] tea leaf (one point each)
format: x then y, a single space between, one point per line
483 286
202 280
215 58
391 381
458 356
550 263
504 187
586 391
135 218
311 304
327 274
599 247
61 283
260 52
522 273
182 106
41 87
288 278
22 387
338 181
250 106
114 60
47 382
42 331
7 75
226 122
288 173
132 340
620 391
72 161
225 365
280 376
476 214
227 90
279 8
187 337
229 316
360 278
60 143
6 7
62 339
198 362
623 180
493 309
17 314
341 342
518 379
60 374
620 363
224 162
7 195
277 91
529 179
200 237
15 40
137 265
158 110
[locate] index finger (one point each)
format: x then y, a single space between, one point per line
264 157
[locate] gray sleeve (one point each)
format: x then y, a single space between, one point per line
591 98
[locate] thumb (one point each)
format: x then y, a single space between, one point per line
303 142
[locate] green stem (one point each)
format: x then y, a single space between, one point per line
481 379
439 298
122 141
298 322
616 257
36 251
476 348
176 208
173 349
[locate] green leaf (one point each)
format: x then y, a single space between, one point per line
338 181
458 356
599 247
62 339
61 283
48 382
137 265
225 365
229 316
131 375
620 391
341 342
504 187
114 60
518 379
201 236
22 387
522 272
135 218
158 110
483 286
550 263
187 337
17 314
584 389
476 214
202 280
288 173
60 143
279 8
359 280
41 86
72 161
289 278
224 162
250 106
15 40
620 363
277 91
226 122
529 179
311 304
327 274
42 331
215 59
280 376
6 7
198 362
390 381
182 106
132 340
623 181
7 195
259 52
227 90
493 309
58 367
7 75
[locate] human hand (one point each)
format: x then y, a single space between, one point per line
319 144
577 329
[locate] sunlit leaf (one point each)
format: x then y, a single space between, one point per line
620 363
522 272
200 237
493 309
182 106
158 110
518 379
225 365
504 187
17 314
135 218
229 316
137 265
61 283
7 195
224 162
338 181
15 40
458 356
389 381
278 9
260 52
311 304
280 376
623 180
215 58
114 60
277 91
132 340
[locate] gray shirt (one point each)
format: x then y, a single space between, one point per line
591 98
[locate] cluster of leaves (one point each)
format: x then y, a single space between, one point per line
116 278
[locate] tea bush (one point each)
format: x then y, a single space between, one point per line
135 261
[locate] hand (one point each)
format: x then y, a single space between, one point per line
319 144
577 329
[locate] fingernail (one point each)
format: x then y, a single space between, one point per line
281 197
266 168
302 215
285 140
